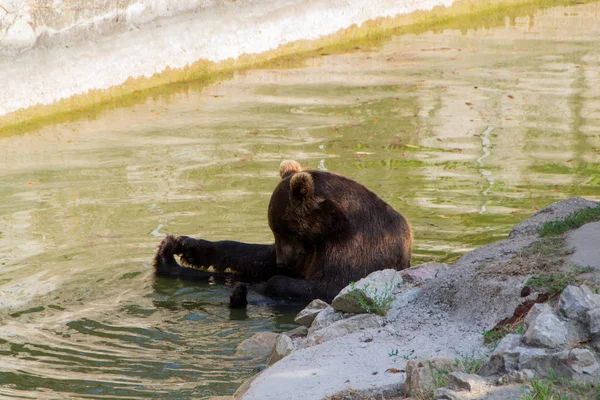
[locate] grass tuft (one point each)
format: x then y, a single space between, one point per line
574 221
561 388
555 283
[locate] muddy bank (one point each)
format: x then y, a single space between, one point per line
448 312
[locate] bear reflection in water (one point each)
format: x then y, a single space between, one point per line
329 231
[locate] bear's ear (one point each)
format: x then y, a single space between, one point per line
289 167
301 188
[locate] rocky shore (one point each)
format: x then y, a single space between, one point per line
501 322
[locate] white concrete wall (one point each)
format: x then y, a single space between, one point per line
54 49
28 23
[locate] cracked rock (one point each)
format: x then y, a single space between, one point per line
545 329
576 301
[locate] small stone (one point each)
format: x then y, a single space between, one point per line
373 294
545 329
419 374
308 314
576 301
593 319
470 382
259 345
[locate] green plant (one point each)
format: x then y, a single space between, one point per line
494 336
573 221
560 388
555 283
439 375
377 303
470 363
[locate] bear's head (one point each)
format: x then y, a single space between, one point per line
300 215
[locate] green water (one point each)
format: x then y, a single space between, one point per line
466 134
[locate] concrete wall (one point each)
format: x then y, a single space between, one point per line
25 24
55 49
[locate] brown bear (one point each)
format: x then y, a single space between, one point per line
329 231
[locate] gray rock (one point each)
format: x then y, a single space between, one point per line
259 345
325 318
545 329
580 365
511 392
593 320
373 294
526 357
553 212
298 332
419 374
343 327
583 362
497 364
283 346
287 342
508 342
308 314
523 376
422 273
576 301
448 394
470 382
536 310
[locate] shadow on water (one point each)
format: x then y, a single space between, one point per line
465 132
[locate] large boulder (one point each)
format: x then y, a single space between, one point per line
343 327
259 345
372 294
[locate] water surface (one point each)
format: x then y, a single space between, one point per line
464 132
